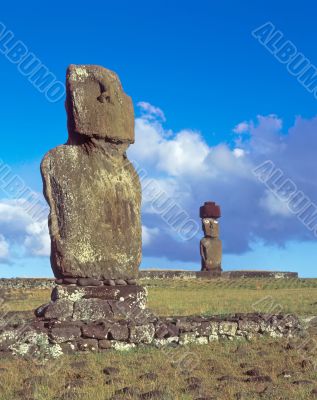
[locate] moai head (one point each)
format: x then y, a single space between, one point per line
97 106
211 227
209 213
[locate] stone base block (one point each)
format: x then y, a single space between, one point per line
94 303
134 293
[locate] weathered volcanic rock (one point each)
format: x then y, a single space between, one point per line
97 105
61 310
119 332
91 310
96 331
133 294
64 334
142 334
92 189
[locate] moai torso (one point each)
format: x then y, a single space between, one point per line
210 245
92 189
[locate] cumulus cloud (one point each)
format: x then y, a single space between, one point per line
189 171
242 127
274 205
22 233
4 249
151 112
148 235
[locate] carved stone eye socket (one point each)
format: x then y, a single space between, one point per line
104 98
206 221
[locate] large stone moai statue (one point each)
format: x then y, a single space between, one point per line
94 194
210 245
92 189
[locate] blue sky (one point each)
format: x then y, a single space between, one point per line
200 65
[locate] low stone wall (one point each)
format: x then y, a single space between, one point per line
259 274
170 274
54 338
46 283
27 283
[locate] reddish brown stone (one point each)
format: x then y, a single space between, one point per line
104 344
69 281
210 210
64 334
95 331
121 282
69 347
87 345
119 332
88 282
109 282
61 309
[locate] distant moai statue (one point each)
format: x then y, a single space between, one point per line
210 244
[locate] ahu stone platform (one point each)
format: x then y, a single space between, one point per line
80 324
180 274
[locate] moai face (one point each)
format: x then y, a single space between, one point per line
96 105
211 227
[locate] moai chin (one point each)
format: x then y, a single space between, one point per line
92 189
210 245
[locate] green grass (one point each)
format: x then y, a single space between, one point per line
224 297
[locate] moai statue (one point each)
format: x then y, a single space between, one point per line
94 194
210 245
93 191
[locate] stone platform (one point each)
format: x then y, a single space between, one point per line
44 339
171 274
101 318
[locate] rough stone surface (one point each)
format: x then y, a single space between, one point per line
92 189
61 310
105 344
97 105
91 310
142 334
179 274
64 334
119 332
88 282
136 294
51 339
88 345
228 328
96 331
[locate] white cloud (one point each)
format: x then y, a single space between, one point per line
148 235
243 127
150 111
4 249
274 206
38 239
238 152
30 237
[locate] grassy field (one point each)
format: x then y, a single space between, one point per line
217 371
